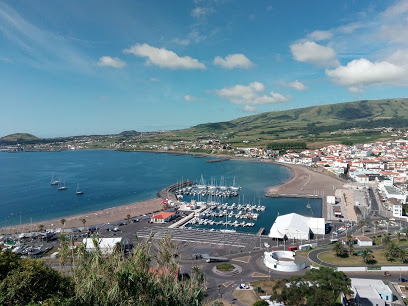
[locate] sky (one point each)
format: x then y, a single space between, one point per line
101 67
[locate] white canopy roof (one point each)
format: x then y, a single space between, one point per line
296 226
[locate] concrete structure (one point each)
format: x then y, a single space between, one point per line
162 217
106 245
393 193
283 261
331 200
364 241
397 210
297 227
370 292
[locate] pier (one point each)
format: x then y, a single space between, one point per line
218 160
260 232
168 192
292 195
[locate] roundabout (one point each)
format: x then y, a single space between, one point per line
235 270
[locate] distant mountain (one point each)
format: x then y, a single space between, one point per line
20 138
129 133
307 123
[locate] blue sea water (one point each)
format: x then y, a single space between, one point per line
112 178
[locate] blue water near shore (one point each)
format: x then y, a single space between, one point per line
112 178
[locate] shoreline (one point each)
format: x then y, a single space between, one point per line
296 185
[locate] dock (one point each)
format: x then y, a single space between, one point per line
260 232
292 195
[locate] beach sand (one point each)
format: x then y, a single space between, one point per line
99 217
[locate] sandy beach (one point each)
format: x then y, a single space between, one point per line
305 181
99 217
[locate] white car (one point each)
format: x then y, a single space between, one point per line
243 286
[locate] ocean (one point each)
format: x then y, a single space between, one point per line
112 178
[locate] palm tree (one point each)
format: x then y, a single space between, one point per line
128 217
83 222
63 222
362 223
376 223
338 248
385 240
350 244
399 236
403 255
366 254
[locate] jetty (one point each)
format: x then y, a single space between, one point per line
292 195
260 232
168 192
218 160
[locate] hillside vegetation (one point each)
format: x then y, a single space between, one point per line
313 124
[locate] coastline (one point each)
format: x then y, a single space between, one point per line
303 183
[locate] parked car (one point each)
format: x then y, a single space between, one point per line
243 286
386 273
403 280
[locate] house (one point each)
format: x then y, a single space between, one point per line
370 292
162 217
364 241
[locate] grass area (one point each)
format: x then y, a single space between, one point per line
225 267
379 259
245 297
265 285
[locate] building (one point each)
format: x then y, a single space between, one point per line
364 241
370 292
297 227
397 210
162 217
105 245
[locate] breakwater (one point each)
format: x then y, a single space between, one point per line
218 160
168 192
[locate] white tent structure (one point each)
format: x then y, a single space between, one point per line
106 245
297 227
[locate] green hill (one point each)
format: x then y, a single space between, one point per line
312 124
19 138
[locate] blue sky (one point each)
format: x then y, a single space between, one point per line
99 67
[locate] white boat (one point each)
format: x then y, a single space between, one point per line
228 231
54 182
61 186
78 190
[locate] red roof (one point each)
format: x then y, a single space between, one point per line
163 215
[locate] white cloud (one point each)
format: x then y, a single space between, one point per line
363 72
233 61
199 12
396 33
249 95
40 48
295 85
154 80
164 58
399 8
320 35
310 52
190 98
249 108
107 61
355 90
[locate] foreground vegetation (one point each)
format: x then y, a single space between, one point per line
97 279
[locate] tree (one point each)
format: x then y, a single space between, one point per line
350 243
128 217
403 255
339 249
63 222
34 282
362 223
367 255
385 240
83 221
317 287
41 227
8 262
376 223
399 236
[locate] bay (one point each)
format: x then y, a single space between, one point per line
113 178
